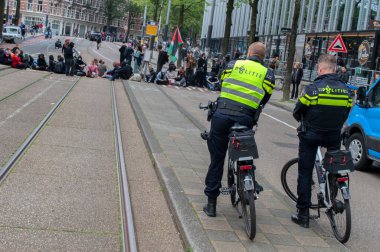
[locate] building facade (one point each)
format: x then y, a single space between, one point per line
319 23
67 17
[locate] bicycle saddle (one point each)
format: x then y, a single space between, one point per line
238 127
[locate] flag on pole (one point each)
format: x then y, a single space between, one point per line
176 42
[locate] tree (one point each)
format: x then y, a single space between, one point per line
16 17
2 6
113 9
132 9
227 29
252 35
292 50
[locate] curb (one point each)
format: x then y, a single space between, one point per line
192 232
280 105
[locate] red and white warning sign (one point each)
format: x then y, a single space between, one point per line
338 45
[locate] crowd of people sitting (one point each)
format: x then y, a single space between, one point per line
68 64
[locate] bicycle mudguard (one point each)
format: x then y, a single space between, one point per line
345 191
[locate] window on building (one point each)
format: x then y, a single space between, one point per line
39 5
14 4
30 5
376 97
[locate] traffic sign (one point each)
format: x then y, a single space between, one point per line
338 45
151 30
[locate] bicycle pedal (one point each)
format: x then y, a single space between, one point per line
226 190
258 188
205 135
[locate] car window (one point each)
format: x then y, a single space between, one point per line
376 96
12 30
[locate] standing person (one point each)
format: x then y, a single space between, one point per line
122 50
344 75
98 42
296 79
183 54
68 53
190 65
237 54
322 110
137 59
23 31
242 94
202 70
163 58
128 54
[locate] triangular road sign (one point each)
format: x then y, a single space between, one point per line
338 45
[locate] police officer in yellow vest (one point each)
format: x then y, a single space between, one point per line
247 84
324 108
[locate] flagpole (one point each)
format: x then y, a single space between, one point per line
167 21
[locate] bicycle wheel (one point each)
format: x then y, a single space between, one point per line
340 215
249 213
289 176
231 182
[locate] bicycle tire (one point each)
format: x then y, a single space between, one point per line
288 174
335 212
249 213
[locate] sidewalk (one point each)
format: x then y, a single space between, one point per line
182 158
276 100
62 195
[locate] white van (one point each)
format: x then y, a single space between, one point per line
11 34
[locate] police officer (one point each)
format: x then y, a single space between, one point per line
323 108
247 84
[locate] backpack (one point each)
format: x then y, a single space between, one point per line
58 67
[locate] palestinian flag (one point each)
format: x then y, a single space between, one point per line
176 42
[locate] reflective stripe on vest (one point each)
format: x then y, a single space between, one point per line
245 83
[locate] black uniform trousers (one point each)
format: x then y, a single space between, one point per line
308 147
217 146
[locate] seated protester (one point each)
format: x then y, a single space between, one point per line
52 63
28 60
58 44
162 78
124 72
16 60
171 74
151 77
80 64
92 69
41 63
102 68
109 74
59 66
180 80
5 57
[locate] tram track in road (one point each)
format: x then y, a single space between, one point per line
24 87
127 224
6 169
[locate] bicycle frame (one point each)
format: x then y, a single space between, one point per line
324 188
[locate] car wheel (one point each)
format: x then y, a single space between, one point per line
356 145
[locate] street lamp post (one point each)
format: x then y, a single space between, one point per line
7 11
209 31
167 21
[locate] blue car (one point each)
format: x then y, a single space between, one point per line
362 132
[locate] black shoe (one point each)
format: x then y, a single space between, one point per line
210 207
302 218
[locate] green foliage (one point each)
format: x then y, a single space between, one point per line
113 9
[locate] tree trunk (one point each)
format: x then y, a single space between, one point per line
252 35
2 6
17 14
227 30
292 51
129 26
180 25
153 38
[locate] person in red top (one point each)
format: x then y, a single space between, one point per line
16 60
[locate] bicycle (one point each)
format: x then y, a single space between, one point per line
331 189
242 186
